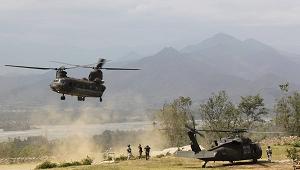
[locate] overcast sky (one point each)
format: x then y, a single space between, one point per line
78 31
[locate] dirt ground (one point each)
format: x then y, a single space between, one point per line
167 163
174 163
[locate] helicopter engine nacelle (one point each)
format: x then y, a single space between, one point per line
99 81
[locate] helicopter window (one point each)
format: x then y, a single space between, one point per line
62 81
246 149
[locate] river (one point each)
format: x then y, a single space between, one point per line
60 131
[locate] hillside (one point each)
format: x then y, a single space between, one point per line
221 62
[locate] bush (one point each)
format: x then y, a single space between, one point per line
296 143
46 165
66 164
121 158
292 153
87 161
160 156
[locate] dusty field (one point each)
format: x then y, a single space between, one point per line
170 163
166 163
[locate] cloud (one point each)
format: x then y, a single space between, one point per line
110 28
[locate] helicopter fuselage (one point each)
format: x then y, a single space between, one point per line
77 87
232 151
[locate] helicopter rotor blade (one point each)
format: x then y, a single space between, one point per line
110 68
225 131
40 68
100 63
74 65
29 67
194 130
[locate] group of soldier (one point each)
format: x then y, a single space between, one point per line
140 150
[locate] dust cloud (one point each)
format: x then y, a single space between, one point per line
78 144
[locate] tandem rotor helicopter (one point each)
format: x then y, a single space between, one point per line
82 88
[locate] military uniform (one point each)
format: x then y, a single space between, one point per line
129 153
140 151
269 153
147 150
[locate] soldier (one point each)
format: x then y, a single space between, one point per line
147 150
129 154
269 153
140 151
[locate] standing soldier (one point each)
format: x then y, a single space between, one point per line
129 154
147 150
140 151
269 153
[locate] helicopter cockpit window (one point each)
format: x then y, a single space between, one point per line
62 81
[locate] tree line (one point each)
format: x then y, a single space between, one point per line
219 112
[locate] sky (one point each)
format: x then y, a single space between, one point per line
33 32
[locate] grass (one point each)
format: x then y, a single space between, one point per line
174 163
279 152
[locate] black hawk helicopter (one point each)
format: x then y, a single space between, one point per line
230 149
82 88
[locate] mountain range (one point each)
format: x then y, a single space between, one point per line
221 62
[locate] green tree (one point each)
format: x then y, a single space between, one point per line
219 113
173 118
287 111
252 108
293 154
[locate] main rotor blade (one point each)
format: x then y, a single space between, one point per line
110 68
194 130
274 132
233 131
74 65
39 68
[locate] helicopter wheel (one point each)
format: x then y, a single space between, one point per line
204 165
80 98
100 99
63 97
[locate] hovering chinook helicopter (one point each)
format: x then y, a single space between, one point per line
82 88
230 149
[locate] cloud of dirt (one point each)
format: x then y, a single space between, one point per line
78 144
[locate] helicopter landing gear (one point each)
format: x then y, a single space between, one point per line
80 98
63 97
100 99
204 165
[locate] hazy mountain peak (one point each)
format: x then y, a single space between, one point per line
168 51
257 44
223 37
219 39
